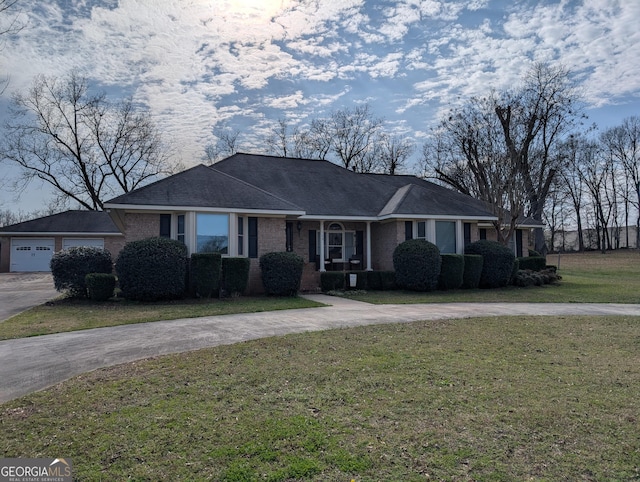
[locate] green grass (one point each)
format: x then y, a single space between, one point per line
72 314
591 277
514 398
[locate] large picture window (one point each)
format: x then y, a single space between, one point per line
446 236
212 232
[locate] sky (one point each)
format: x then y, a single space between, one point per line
245 64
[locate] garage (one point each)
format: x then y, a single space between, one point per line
92 242
31 254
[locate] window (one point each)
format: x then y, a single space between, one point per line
289 236
422 230
240 236
339 245
180 232
483 233
446 236
165 225
212 233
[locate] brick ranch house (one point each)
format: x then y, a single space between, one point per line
336 219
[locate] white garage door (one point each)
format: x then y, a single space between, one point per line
31 254
70 242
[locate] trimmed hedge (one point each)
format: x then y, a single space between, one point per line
100 286
533 263
417 265
361 280
206 273
497 267
472 271
281 273
70 267
152 269
235 275
451 272
331 281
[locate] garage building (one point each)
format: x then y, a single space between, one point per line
29 246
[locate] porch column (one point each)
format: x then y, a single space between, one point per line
369 246
322 266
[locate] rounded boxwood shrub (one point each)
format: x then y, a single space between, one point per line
69 268
497 267
472 271
100 286
281 273
235 275
451 272
152 269
417 265
205 274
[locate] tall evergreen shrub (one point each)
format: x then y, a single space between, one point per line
281 273
451 272
152 269
235 275
70 267
417 265
205 273
497 267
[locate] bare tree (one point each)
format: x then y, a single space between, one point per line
572 181
88 148
535 119
466 152
623 143
353 133
394 152
279 140
226 144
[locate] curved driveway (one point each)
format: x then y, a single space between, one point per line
31 364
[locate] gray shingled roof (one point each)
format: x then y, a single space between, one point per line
77 222
203 186
315 187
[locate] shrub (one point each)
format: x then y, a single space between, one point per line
281 273
331 281
388 279
100 286
69 268
534 254
472 271
417 265
152 269
451 272
498 262
374 280
534 263
205 273
235 275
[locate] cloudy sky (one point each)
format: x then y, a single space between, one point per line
244 64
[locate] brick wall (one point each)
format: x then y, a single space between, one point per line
141 226
384 239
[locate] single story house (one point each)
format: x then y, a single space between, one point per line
28 246
249 205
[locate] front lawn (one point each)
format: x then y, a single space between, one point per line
75 314
513 398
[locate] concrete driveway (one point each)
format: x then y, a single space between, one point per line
31 364
21 291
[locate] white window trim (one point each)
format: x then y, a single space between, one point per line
430 231
323 244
